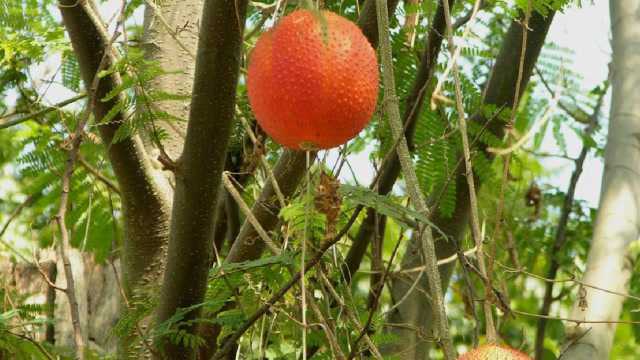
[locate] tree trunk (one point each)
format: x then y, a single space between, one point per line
618 220
199 169
145 192
177 58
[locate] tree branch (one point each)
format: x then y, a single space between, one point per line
144 192
14 215
289 171
39 113
98 175
199 170
473 200
63 244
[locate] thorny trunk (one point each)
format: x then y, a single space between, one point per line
618 220
425 235
199 169
144 191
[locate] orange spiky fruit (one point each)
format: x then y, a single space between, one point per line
313 80
494 352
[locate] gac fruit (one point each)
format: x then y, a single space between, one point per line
313 80
494 352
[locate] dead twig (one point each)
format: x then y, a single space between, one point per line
39 113
475 222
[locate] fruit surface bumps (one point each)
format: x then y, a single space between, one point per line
313 80
494 352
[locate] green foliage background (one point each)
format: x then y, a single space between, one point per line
32 158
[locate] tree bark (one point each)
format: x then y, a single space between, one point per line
145 192
618 220
416 308
166 23
199 169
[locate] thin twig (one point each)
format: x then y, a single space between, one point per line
60 218
440 262
34 342
377 295
510 148
354 320
463 20
473 201
98 175
39 113
45 276
75 141
550 155
265 164
578 116
302 260
546 116
571 279
247 212
329 334
456 53
576 321
16 212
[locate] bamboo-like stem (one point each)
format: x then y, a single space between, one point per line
393 112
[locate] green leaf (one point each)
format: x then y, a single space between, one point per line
386 206
282 259
127 82
114 111
70 71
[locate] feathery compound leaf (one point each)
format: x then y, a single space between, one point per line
283 259
386 206
70 71
121 106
